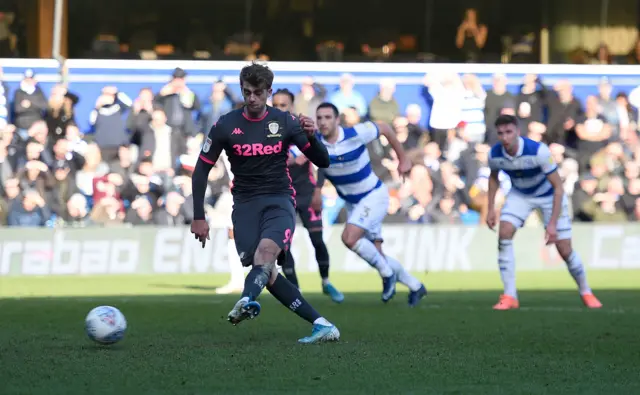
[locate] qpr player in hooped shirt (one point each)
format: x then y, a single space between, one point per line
535 185
366 197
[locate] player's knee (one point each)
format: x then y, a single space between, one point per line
266 253
564 248
349 239
507 230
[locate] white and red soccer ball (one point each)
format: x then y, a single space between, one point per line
105 325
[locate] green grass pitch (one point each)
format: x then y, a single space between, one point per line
178 341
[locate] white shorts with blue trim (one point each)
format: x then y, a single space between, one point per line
369 212
518 207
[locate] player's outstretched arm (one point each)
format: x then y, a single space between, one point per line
404 164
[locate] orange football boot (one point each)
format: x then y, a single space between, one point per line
506 302
591 301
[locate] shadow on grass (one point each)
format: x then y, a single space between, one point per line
614 301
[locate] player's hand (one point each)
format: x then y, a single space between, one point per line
551 234
307 124
316 200
290 159
200 228
404 166
491 219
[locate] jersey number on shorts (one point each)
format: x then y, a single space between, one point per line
313 216
287 239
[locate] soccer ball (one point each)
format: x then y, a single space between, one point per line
105 325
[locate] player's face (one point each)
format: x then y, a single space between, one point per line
282 102
508 136
327 121
255 98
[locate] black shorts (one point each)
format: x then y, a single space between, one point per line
264 217
311 219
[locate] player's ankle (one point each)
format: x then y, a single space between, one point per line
322 321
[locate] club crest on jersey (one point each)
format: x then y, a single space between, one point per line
207 145
272 129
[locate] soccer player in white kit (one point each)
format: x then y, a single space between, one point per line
535 184
366 197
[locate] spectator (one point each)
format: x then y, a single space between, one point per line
564 111
4 101
109 125
179 103
471 37
448 93
347 97
311 95
29 211
530 105
140 115
63 188
29 102
473 108
77 214
592 131
220 102
60 113
497 99
172 212
10 192
627 120
384 107
162 144
608 106
140 212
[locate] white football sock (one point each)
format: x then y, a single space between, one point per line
403 276
574 264
322 321
235 266
368 251
507 264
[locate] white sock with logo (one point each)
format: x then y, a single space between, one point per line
574 264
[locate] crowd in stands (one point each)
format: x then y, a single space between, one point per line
135 166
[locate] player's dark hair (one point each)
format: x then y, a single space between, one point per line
285 91
257 75
336 113
506 119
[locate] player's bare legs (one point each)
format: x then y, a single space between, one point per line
577 271
507 263
416 288
354 239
